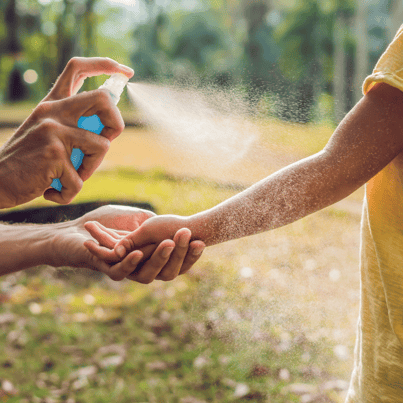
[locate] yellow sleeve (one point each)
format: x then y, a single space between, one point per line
389 68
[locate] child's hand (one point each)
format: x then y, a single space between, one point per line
152 231
156 239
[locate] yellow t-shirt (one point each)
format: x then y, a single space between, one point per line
378 364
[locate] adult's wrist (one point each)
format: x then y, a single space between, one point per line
24 246
54 249
7 198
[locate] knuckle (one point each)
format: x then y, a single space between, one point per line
41 110
104 96
104 144
145 280
53 151
116 276
65 202
120 126
107 62
74 61
48 126
78 185
166 276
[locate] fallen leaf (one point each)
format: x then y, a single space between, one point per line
241 390
300 389
8 387
80 383
260 370
112 361
191 399
200 362
337 384
84 372
157 366
7 318
284 374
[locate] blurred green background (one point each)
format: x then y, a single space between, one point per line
269 318
312 54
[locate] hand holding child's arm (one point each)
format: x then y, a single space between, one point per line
367 140
156 236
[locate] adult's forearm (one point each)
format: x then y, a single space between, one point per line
23 246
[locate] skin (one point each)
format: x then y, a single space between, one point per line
369 138
40 150
62 244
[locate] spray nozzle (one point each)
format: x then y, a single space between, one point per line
115 84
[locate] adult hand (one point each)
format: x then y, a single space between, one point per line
167 259
40 149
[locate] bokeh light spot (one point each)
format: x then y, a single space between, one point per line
30 76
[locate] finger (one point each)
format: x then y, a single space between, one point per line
122 233
147 250
174 264
123 269
97 102
150 269
98 232
71 182
128 243
194 253
101 252
93 146
79 68
98 264
117 234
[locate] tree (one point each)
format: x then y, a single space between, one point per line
181 43
306 37
340 76
361 52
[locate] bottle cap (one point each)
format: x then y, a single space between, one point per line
115 84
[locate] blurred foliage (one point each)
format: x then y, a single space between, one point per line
278 50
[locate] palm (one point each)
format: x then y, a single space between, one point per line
70 242
122 218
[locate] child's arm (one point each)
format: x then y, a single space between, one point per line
367 139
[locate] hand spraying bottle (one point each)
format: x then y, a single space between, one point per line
115 84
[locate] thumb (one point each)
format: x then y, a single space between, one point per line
130 242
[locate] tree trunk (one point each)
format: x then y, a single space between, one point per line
396 17
339 78
361 54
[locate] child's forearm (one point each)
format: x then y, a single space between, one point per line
367 139
284 197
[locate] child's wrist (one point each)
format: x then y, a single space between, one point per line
199 227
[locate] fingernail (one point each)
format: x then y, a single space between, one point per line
167 251
129 69
198 251
121 251
184 240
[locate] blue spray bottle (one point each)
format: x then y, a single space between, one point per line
115 84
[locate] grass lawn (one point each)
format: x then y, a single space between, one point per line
256 319
269 318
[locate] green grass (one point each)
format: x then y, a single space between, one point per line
18 112
166 193
200 337
294 138
204 335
